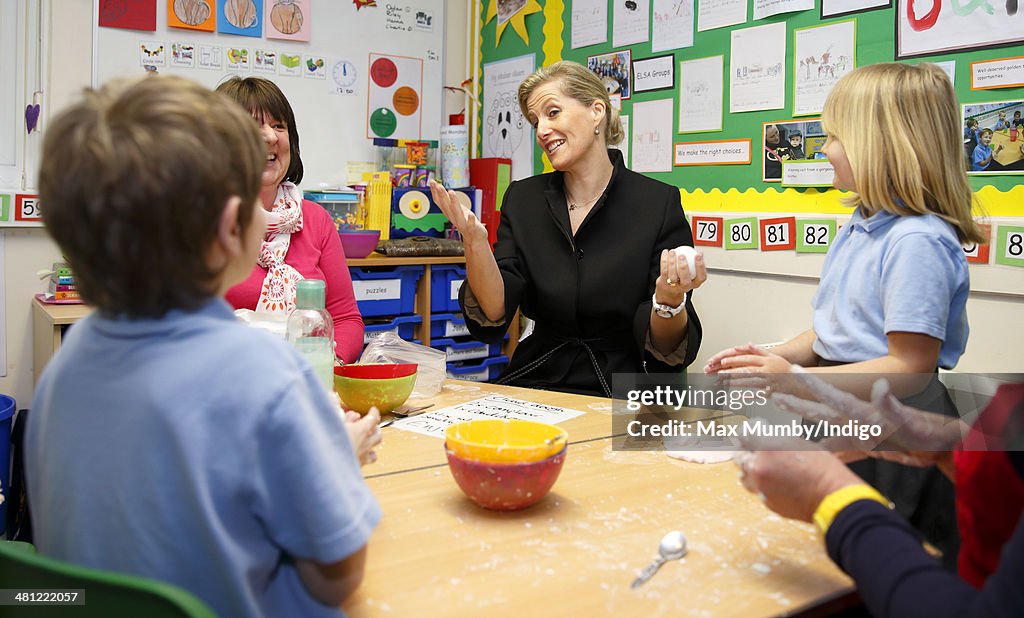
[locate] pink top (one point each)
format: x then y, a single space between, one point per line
316 253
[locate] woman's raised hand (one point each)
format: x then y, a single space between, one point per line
471 229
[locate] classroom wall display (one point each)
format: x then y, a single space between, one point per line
998 73
787 141
1010 245
994 137
289 19
821 55
393 99
613 69
814 235
835 8
672 27
241 17
623 145
657 73
979 253
589 23
767 8
20 210
507 134
326 79
757 71
741 234
127 14
703 100
652 136
931 27
713 152
630 22
778 234
191 15
707 231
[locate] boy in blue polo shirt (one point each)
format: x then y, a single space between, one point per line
167 439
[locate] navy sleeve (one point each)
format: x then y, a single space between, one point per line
896 577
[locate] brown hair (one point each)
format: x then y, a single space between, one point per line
264 100
133 182
879 114
580 83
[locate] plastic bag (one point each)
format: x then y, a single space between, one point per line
390 348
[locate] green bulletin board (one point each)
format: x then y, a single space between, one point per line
875 42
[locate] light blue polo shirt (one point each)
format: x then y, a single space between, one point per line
890 273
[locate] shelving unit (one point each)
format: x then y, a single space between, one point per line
48 324
376 260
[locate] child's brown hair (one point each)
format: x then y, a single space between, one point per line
133 182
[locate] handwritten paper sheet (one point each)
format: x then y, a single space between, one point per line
757 72
700 94
435 423
589 22
673 25
652 136
831 8
713 14
630 22
822 55
767 8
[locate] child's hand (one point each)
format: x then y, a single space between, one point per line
364 433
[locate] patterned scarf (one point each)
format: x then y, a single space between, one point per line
278 293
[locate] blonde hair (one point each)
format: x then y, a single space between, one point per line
900 127
580 83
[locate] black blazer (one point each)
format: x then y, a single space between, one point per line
590 295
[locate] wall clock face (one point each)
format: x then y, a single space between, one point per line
344 73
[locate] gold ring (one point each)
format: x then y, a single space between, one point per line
671 282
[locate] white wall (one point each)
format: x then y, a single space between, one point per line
735 306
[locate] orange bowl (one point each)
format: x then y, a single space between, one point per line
505 441
505 487
384 386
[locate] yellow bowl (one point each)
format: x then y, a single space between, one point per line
360 391
505 441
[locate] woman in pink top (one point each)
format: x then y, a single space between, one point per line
301 240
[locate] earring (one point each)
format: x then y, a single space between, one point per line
597 131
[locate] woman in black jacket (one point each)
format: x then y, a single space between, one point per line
585 251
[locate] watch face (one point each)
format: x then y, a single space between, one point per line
662 313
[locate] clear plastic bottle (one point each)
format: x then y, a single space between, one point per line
311 330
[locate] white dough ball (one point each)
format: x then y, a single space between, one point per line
690 254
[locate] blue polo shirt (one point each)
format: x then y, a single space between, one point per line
981 152
890 273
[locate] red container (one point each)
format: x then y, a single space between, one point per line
506 487
376 371
359 244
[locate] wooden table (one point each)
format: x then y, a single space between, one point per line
1011 152
576 552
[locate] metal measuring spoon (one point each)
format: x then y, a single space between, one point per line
671 547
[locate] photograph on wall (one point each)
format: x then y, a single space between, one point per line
506 133
994 137
508 8
924 28
785 140
613 69
821 55
836 8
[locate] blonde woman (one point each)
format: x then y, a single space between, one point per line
893 291
584 251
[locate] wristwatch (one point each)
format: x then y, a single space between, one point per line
665 311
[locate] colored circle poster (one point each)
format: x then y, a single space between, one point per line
394 99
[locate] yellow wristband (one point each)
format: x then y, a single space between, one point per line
842 498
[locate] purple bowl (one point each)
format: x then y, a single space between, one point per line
359 244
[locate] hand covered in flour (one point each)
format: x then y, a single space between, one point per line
791 482
681 270
471 229
910 436
364 434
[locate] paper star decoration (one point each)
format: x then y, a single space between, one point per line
517 19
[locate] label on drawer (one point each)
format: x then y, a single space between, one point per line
373 334
456 285
378 289
476 376
452 329
467 353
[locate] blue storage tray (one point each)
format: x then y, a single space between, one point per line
448 325
404 326
465 350
478 371
389 291
445 280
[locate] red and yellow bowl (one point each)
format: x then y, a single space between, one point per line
506 487
505 441
384 386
